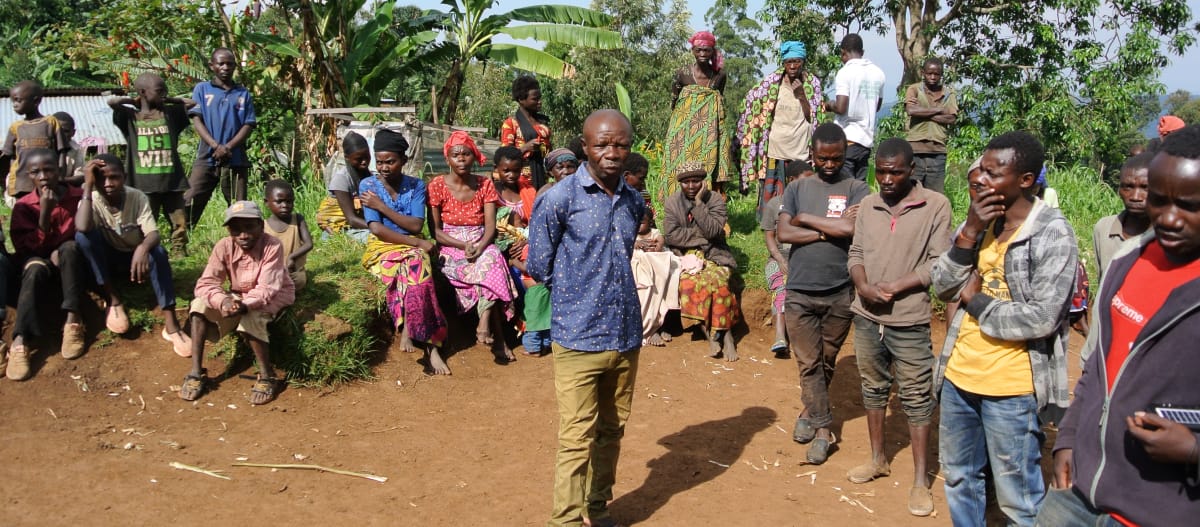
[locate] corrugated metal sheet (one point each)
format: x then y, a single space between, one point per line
93 117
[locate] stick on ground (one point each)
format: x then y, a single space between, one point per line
318 468
181 466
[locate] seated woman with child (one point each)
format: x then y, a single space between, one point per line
694 228
463 220
398 253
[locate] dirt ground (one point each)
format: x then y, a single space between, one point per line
91 441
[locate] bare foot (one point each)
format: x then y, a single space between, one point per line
666 337
483 333
406 343
436 364
730 347
714 345
655 340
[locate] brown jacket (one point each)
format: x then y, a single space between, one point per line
687 226
889 247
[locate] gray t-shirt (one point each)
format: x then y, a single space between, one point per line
343 179
821 265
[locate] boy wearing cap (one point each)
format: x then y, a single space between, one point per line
259 288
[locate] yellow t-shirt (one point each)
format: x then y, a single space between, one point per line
982 364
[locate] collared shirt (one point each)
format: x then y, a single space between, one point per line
28 239
409 200
224 112
1107 238
260 275
580 245
926 135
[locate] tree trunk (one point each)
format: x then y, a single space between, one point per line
916 25
450 92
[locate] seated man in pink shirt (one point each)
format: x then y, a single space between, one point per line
259 287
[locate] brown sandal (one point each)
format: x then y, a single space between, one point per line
266 386
194 386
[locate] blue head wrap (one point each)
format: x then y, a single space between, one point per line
1041 179
792 49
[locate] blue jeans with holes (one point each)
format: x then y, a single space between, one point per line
1069 507
976 430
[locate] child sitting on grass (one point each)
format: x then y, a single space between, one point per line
259 287
43 234
116 232
289 227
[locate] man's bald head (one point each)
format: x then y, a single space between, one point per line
607 140
608 116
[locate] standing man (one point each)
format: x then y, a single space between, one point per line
818 220
1112 231
1114 461
223 117
580 244
931 108
858 96
898 235
1012 266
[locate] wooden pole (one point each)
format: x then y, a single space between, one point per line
433 97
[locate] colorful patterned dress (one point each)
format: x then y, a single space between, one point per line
480 283
405 270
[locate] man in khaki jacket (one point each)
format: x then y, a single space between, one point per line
898 234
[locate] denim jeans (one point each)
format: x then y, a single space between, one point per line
536 342
976 430
1069 507
103 259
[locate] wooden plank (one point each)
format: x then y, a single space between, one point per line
365 109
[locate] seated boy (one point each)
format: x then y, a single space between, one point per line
118 231
259 287
43 234
289 227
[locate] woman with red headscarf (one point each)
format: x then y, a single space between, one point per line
697 130
463 219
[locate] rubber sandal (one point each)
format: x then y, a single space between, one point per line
194 386
803 432
117 320
818 451
780 347
268 386
180 342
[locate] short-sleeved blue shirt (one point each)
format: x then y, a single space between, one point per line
224 113
409 201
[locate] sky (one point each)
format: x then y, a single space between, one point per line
880 49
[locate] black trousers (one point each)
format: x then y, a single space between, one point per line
41 280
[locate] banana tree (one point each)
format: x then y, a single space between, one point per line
468 33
